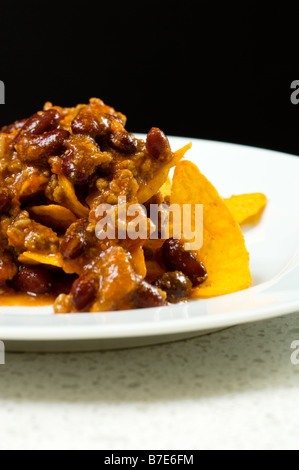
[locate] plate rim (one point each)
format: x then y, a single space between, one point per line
93 332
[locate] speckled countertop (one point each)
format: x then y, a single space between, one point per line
234 389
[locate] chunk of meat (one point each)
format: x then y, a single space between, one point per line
26 235
38 149
82 158
117 279
103 286
8 268
34 181
11 168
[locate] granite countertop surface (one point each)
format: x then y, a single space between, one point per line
233 389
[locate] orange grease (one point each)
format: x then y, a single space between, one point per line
20 299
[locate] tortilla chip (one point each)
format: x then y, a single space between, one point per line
165 190
147 190
66 196
33 184
223 253
247 207
138 261
28 261
57 217
51 260
153 262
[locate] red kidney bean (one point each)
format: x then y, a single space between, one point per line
74 172
83 292
93 125
82 158
74 241
123 142
72 246
14 127
5 200
39 148
33 280
44 121
176 285
68 166
147 296
86 123
157 144
176 258
8 269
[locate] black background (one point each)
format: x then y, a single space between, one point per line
213 70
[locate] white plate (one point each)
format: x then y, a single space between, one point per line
273 245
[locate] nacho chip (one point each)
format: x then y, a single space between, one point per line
165 190
147 190
28 261
65 195
138 261
34 184
224 253
38 258
154 268
57 217
247 207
